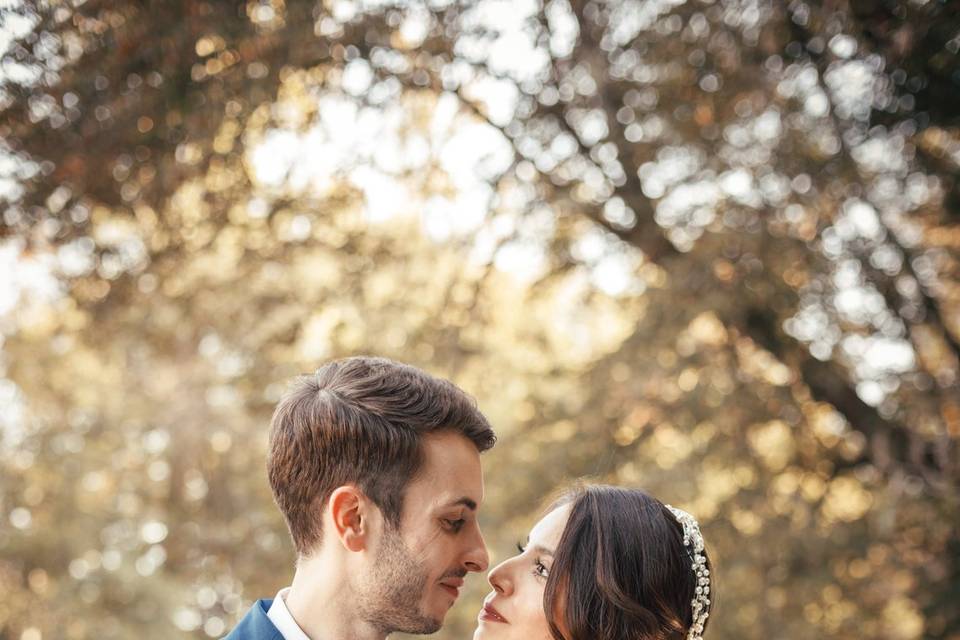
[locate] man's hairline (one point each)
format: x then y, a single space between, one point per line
466 501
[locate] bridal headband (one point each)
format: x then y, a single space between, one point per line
693 540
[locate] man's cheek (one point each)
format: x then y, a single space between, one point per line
426 548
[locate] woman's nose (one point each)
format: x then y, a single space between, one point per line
499 578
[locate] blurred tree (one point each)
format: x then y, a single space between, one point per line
741 221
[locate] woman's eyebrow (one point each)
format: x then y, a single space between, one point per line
542 550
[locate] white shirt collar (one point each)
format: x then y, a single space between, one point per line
280 616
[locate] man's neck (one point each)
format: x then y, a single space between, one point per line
324 606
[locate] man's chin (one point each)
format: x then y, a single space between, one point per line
425 626
429 619
437 616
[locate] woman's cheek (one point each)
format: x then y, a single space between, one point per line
540 628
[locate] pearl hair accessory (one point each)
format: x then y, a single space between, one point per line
693 540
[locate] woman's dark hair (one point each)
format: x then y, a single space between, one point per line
620 571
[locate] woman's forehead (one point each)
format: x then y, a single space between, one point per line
548 530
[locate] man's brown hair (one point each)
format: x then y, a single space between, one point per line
359 421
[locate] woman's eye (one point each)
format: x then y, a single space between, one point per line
539 569
520 548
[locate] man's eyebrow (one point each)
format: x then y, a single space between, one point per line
469 503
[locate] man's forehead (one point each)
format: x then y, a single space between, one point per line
424 495
451 474
457 489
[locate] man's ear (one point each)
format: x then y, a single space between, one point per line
350 511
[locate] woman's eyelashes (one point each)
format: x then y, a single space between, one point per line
539 569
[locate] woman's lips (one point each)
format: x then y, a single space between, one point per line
491 614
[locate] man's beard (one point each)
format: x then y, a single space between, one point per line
389 597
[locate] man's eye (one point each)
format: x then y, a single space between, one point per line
454 525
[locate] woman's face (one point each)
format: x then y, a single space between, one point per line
514 609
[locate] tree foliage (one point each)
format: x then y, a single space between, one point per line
708 248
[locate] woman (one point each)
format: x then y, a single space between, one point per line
605 563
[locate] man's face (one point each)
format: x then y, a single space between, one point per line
417 571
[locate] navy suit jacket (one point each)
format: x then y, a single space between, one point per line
256 625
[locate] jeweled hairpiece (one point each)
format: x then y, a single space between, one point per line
693 540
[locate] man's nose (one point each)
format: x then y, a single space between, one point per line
476 558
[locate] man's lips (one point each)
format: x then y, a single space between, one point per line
491 614
452 586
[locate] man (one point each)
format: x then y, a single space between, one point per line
376 468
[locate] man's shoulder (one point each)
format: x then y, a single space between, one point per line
256 625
